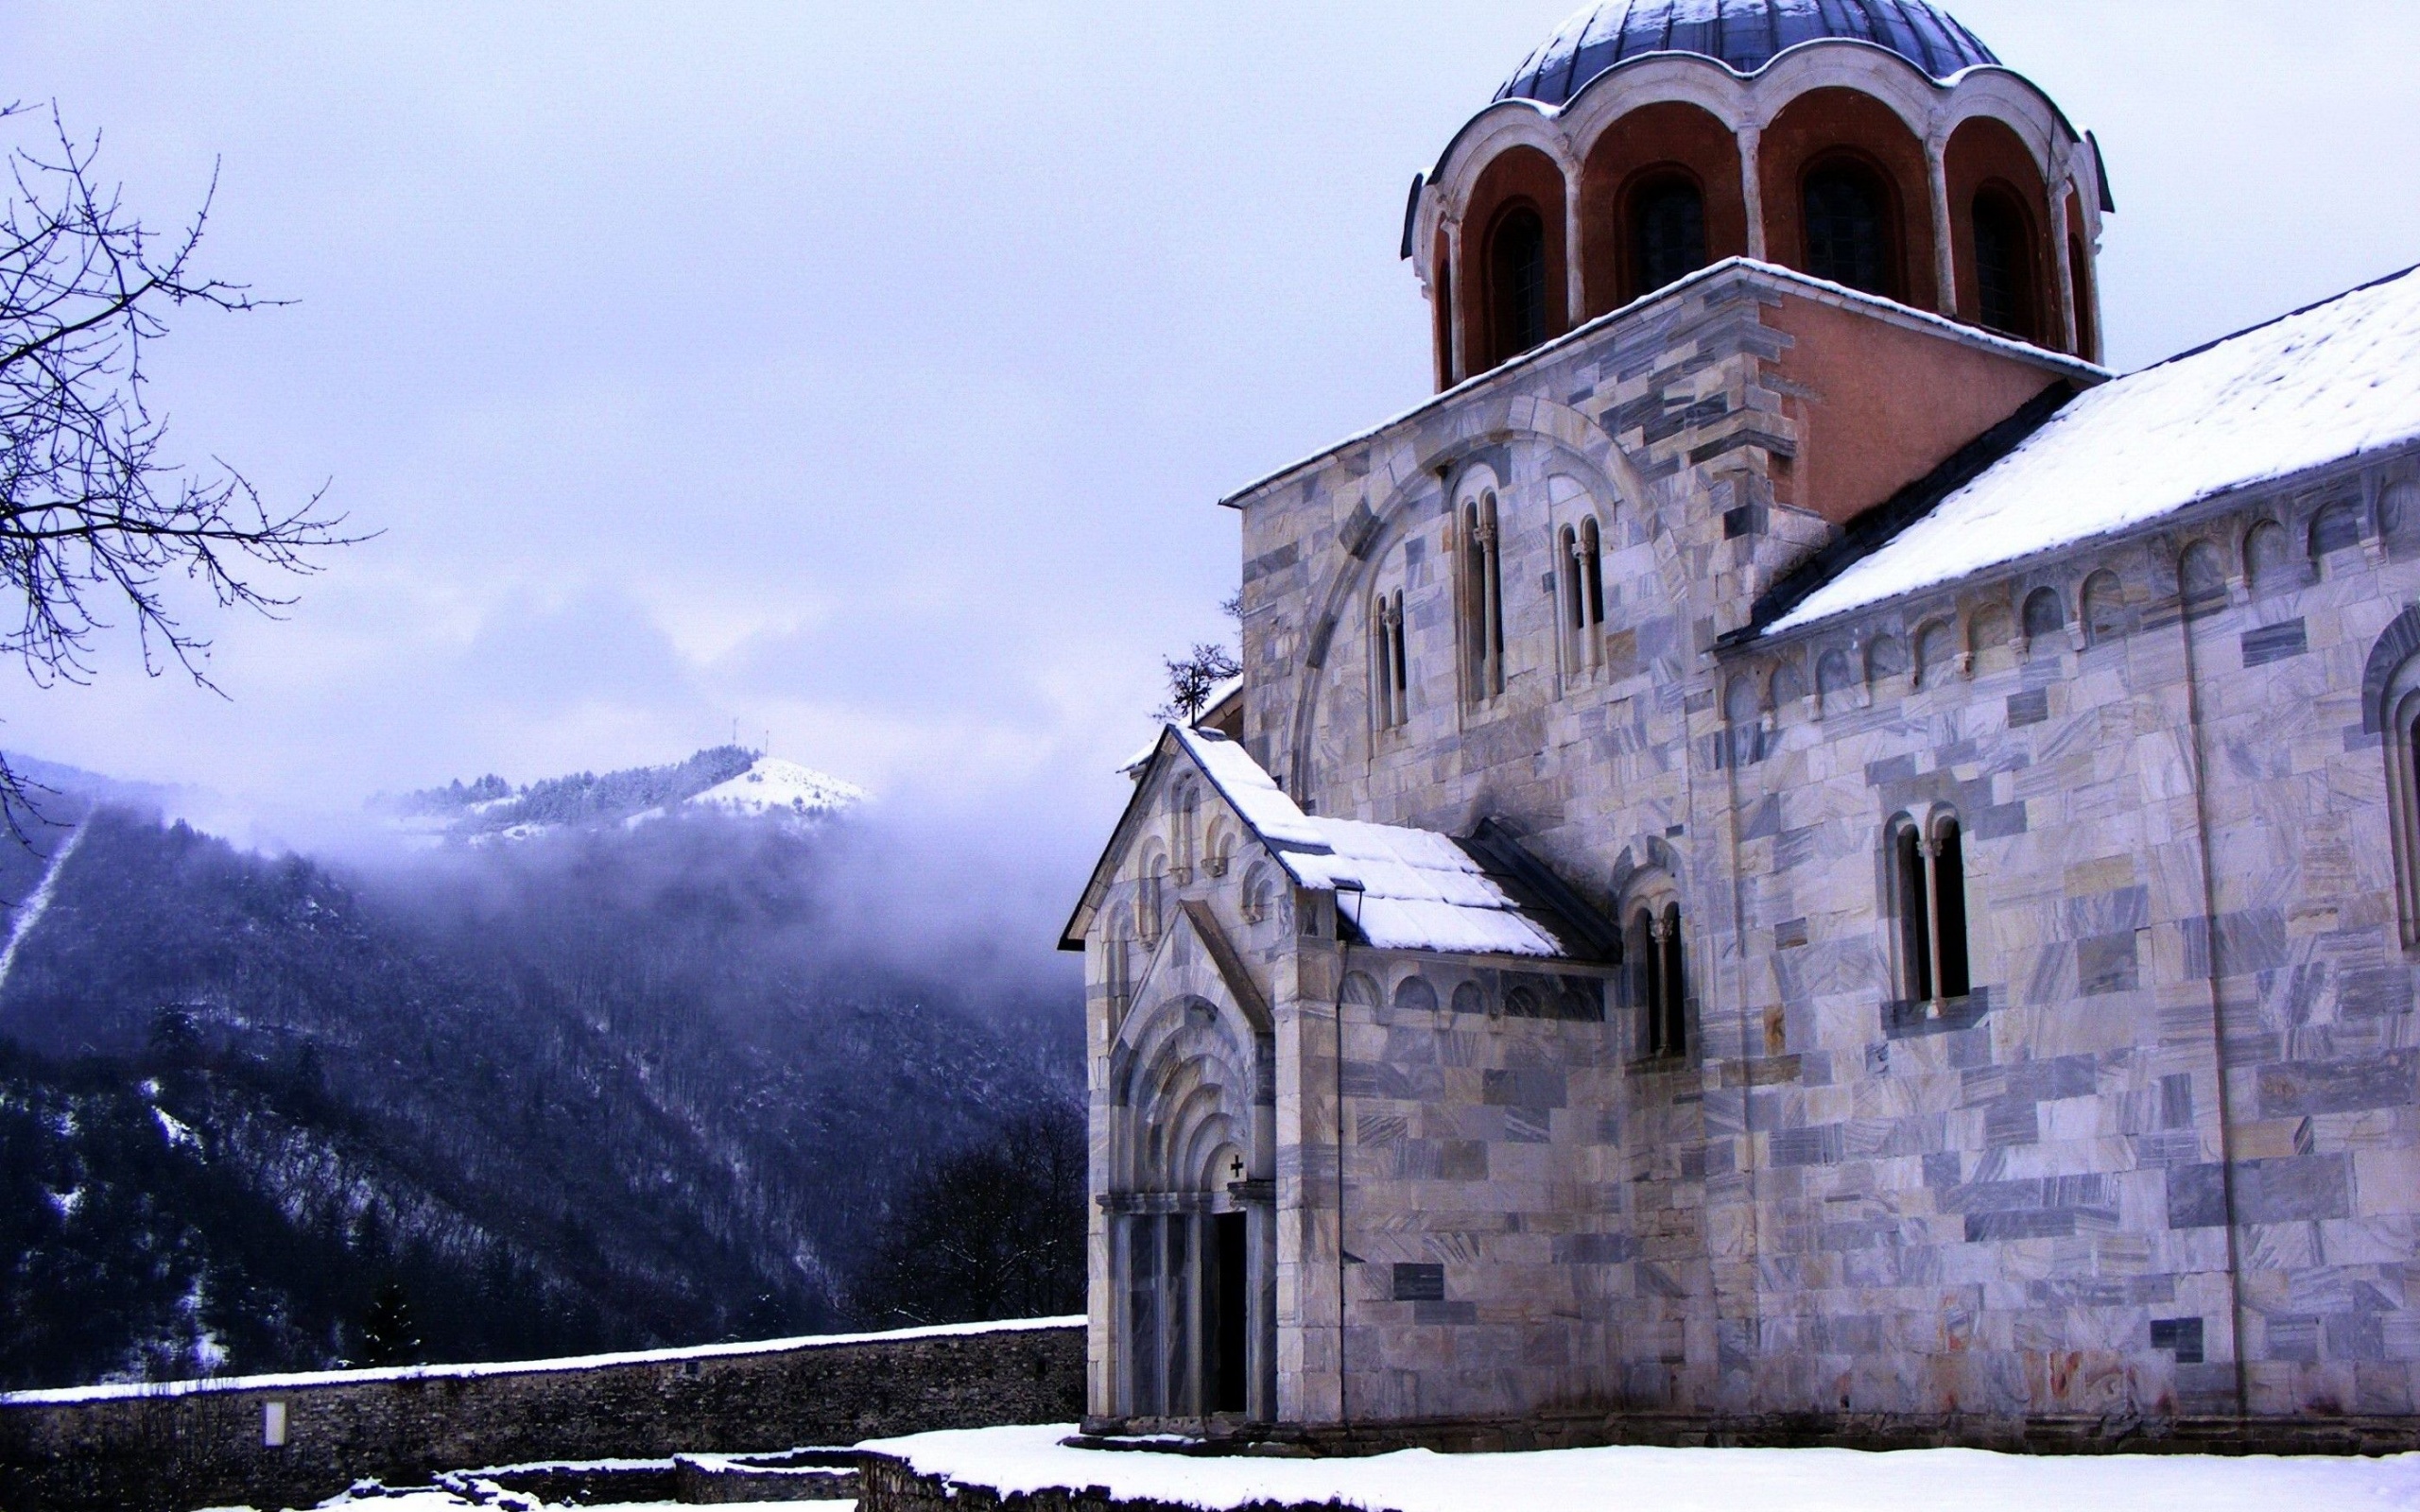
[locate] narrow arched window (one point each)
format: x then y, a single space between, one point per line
1928 878
1915 913
1667 232
1399 660
1483 599
1516 265
1673 1012
1575 611
1584 596
1380 666
1658 978
2004 264
1949 909
1848 232
1592 560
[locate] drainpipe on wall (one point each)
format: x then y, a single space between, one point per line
1343 966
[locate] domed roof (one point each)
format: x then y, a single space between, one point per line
1744 34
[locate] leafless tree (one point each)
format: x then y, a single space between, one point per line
1192 680
96 518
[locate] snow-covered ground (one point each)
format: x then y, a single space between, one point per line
433 1501
1023 1460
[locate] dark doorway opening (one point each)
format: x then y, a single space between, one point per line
1225 1299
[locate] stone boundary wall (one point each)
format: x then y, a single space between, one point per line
192 1444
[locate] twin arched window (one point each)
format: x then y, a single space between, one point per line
1584 595
1848 226
1929 874
1516 265
1659 978
1482 598
1389 672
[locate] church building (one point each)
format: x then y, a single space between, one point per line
1794 859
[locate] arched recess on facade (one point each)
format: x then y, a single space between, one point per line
1630 181
1584 449
1181 1076
1832 140
1999 219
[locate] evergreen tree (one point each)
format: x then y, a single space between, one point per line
388 1336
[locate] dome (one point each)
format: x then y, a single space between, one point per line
1744 35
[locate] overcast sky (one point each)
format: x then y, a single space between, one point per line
867 374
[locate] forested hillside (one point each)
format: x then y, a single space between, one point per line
607 1087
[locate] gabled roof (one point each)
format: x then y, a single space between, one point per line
1411 889
2326 383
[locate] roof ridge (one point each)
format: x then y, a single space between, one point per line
2258 326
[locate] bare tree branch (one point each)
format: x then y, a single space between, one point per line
95 519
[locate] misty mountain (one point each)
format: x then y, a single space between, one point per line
616 1085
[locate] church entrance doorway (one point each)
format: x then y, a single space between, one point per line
1225 1299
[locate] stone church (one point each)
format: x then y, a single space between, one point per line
1793 858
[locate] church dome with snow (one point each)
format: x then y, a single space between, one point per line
1744 35
1877 145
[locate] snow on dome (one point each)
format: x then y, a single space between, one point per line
772 785
2321 384
1744 35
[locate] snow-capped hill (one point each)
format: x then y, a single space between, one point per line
729 780
774 786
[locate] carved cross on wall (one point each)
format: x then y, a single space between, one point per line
1235 1167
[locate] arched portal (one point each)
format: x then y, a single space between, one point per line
1190 1229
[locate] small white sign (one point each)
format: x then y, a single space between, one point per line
273 1424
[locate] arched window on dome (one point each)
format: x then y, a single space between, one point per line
1516 282
1666 225
1848 226
2004 273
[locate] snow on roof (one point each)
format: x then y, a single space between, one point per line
2324 383
65 1395
1418 889
1251 791
1022 1461
1219 694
